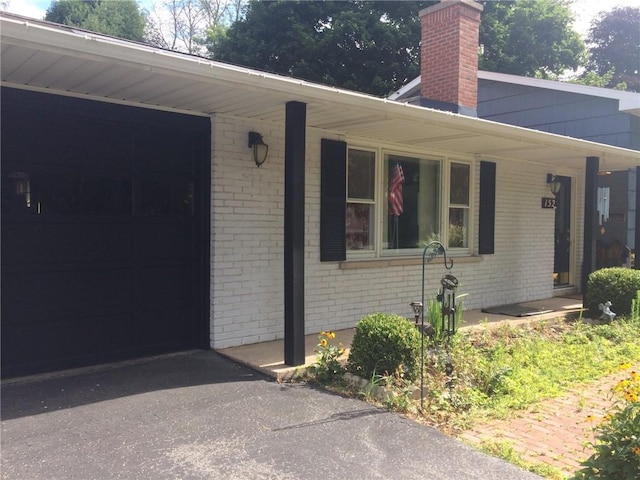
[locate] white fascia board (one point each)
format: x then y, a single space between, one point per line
405 89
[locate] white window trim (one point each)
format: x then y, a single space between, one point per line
469 249
365 254
378 253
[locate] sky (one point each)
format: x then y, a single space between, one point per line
585 10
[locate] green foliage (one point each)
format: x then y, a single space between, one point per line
370 47
499 370
434 317
400 389
617 438
385 343
123 18
616 285
614 45
593 79
529 37
433 314
374 47
327 365
635 307
504 450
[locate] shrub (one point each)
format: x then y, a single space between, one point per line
617 285
384 344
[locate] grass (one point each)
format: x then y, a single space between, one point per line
510 368
504 450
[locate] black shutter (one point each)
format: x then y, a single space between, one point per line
333 194
487 221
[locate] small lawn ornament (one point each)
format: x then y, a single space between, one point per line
607 314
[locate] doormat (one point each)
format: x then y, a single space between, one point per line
516 310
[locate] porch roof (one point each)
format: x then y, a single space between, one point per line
52 58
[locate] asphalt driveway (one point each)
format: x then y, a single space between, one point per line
200 416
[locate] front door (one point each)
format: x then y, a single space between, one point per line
562 252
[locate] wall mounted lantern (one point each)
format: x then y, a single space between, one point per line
554 183
260 149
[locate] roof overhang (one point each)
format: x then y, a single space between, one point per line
62 60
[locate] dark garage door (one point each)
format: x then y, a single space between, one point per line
104 232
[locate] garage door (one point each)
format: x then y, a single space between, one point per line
104 232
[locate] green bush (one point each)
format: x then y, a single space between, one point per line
616 285
383 344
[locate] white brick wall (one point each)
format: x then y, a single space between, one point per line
247 217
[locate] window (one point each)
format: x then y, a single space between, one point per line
459 205
360 200
412 210
392 203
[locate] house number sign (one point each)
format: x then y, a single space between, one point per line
548 202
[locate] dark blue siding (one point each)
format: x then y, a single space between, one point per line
563 113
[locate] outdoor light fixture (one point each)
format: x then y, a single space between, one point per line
260 149
554 183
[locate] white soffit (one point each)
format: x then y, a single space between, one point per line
57 59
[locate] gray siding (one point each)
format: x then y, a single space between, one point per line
563 113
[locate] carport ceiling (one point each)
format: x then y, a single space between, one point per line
59 59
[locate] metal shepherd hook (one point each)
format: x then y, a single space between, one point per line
431 250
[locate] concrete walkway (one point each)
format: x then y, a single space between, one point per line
268 357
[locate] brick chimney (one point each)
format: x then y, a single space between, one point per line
449 56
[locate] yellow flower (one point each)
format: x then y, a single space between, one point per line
622 385
323 342
625 366
331 334
323 333
636 450
590 418
631 397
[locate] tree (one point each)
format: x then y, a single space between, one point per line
123 19
529 38
371 47
374 47
614 45
184 25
